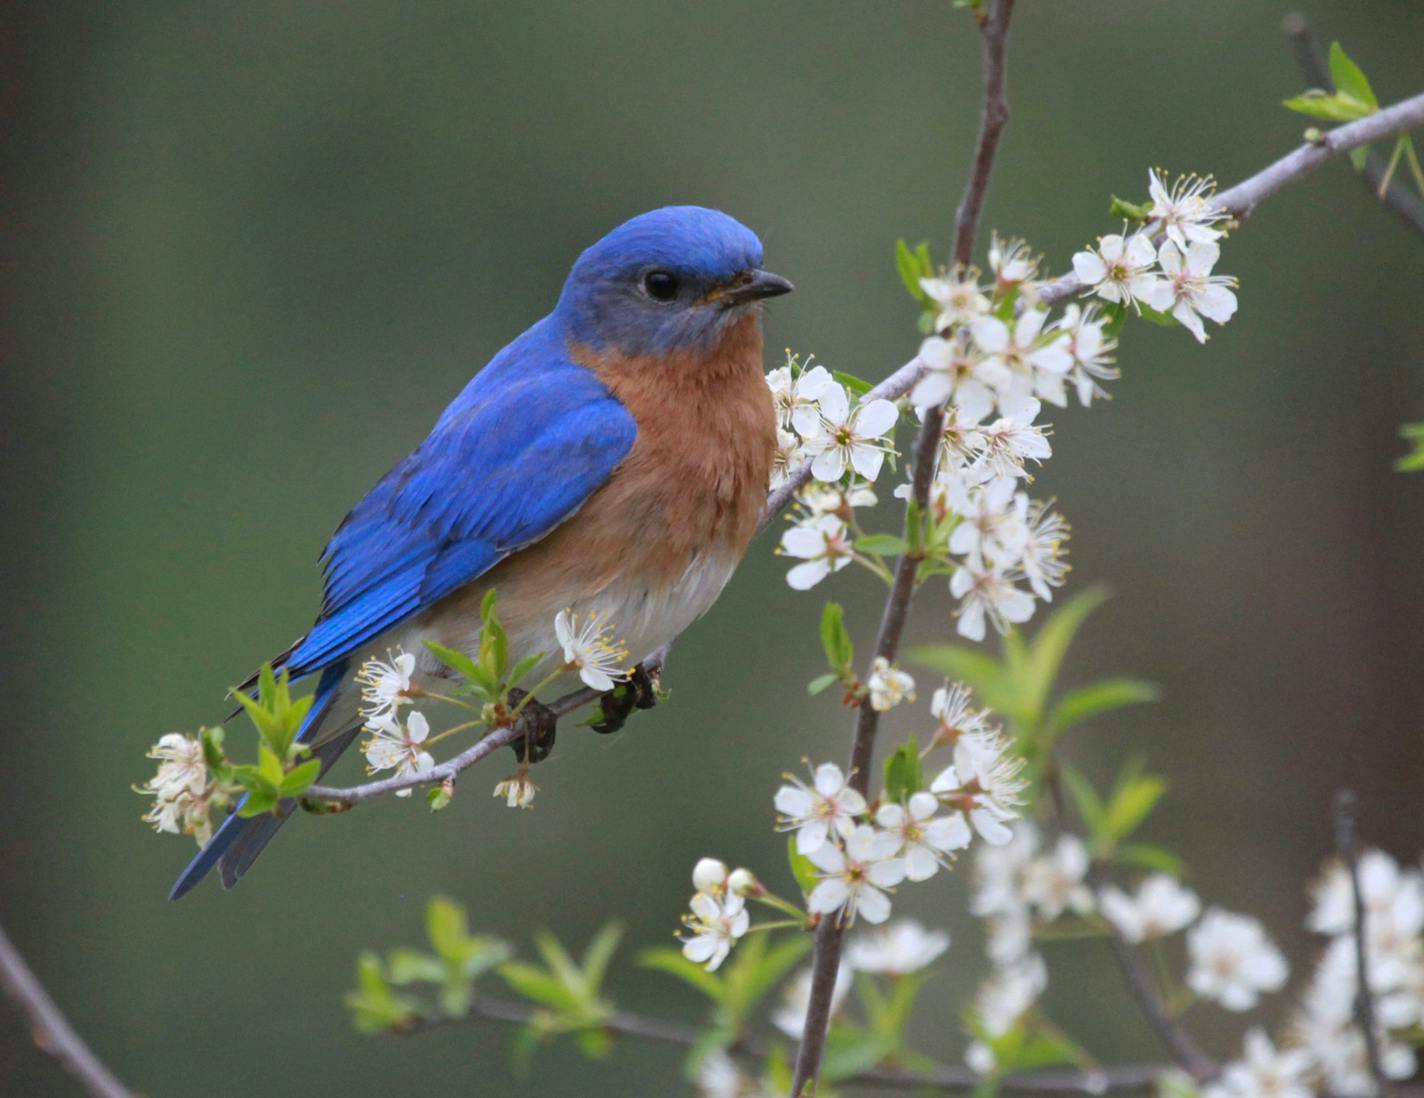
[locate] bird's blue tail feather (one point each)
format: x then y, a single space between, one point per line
234 827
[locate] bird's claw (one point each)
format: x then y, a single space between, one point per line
540 723
639 692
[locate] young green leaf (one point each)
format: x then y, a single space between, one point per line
822 682
911 269
1349 78
835 640
1085 702
882 545
903 775
298 780
672 962
802 868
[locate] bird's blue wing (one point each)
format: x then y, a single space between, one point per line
520 450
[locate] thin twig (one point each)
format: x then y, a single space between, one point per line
1398 196
623 1023
1241 200
1347 844
826 961
51 1030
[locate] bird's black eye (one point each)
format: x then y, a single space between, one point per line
660 285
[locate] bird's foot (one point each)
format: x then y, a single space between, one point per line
540 723
639 692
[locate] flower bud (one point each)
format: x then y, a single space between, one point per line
743 882
709 875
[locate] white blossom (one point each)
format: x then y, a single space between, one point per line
823 544
888 686
1012 990
1119 269
1011 262
786 458
926 841
1160 907
984 592
714 925
955 371
1001 873
1264 1071
1232 960
1190 291
898 949
991 528
960 299
600 658
183 794
829 803
796 398
854 880
849 437
1184 212
985 783
1027 361
1057 882
1041 557
385 685
710 876
1007 445
952 706
517 791
1090 349
398 744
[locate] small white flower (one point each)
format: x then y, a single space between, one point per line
960 300
985 591
926 841
710 876
985 783
181 767
854 880
719 1077
1119 269
898 949
1041 557
1232 960
790 1016
955 372
1264 1072
517 791
823 544
1011 262
795 398
1191 289
1027 361
1009 937
591 648
1394 900
992 528
840 500
715 926
1185 212
1090 349
1057 881
786 458
1001 872
393 744
847 437
888 685
1007 445
952 705
385 686
1160 907
812 811
1002 1001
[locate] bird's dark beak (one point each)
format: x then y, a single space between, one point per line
753 285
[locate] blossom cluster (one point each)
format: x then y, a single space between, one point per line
183 792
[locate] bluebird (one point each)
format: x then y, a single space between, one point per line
613 459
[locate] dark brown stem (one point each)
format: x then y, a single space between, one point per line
827 957
51 1030
1127 1077
1347 845
1398 196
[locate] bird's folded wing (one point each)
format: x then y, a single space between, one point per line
518 452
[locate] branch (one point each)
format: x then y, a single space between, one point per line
826 961
51 1030
1347 843
1241 200
1397 196
622 1023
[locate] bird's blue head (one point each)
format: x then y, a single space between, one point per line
671 279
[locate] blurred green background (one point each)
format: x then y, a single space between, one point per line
251 252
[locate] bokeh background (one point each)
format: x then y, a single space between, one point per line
252 250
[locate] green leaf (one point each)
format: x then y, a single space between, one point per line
374 1007
1331 108
258 802
851 1050
213 754
1155 316
882 545
802 868
484 685
1086 800
598 953
1129 211
1132 802
523 667
595 1043
409 966
298 780
1349 78
447 926
822 682
1084 702
902 772
1051 642
672 962
756 967
835 641
858 386
1149 856
911 269
538 985
976 669
440 796
1412 463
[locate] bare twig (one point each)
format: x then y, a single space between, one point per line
1347 845
52 1031
1398 196
827 957
1128 1077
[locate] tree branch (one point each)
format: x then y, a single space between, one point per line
1347 844
1397 196
622 1023
826 960
51 1030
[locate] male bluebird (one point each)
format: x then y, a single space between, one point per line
612 459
